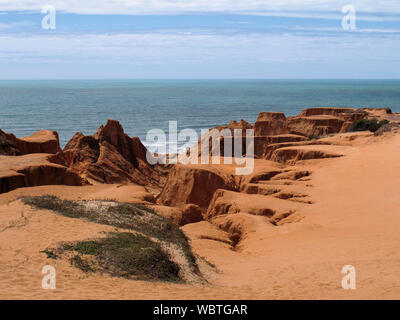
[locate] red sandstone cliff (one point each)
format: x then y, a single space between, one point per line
42 141
111 156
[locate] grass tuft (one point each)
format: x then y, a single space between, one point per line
79 263
50 254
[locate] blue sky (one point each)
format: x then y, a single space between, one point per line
199 39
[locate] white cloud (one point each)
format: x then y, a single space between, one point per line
13 25
153 48
339 29
192 55
136 7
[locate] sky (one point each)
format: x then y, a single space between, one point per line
200 39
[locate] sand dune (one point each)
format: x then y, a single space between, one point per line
319 198
354 219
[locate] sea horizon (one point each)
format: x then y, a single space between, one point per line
197 79
82 105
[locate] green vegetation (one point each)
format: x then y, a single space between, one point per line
79 263
125 251
124 254
50 254
365 125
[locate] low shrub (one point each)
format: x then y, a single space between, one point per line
124 254
365 125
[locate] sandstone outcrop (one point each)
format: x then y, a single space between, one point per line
270 148
242 125
261 143
310 123
270 124
331 111
293 154
314 126
217 142
377 111
111 156
314 122
10 180
285 192
273 130
258 175
277 183
194 184
243 227
42 141
7 147
188 213
191 213
230 202
207 231
34 170
291 175
389 127
112 134
346 139
260 188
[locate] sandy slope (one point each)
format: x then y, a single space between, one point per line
355 219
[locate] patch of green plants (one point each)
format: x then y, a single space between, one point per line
121 215
50 254
91 247
64 207
365 125
123 254
126 208
79 263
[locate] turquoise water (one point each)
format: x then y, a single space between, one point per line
140 105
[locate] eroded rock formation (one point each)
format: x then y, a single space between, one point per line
111 156
294 154
35 170
275 191
273 130
42 141
194 184
270 124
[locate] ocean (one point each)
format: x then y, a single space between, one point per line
69 106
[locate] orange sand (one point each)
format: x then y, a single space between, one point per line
355 219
